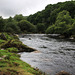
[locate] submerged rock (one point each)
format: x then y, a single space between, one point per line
29 38
63 73
36 51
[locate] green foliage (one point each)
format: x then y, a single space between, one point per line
17 44
12 49
2 41
48 16
8 36
12 41
19 17
26 26
63 16
73 28
10 19
55 18
10 63
1 24
50 29
11 26
41 27
64 25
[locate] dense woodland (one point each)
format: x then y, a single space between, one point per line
54 19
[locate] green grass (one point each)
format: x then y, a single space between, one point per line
10 63
12 49
2 41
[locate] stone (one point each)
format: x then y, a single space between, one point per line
63 73
2 36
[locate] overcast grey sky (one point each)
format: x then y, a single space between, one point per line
25 7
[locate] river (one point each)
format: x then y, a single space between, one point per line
53 55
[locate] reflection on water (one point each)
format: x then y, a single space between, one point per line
53 55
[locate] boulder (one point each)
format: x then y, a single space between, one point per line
63 73
3 37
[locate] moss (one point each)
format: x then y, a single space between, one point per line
8 36
17 44
10 63
12 49
2 41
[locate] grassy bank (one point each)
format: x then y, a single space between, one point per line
10 63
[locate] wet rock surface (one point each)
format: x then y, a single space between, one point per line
63 73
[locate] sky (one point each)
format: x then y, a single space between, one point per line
25 7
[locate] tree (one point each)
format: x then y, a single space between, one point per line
40 28
73 28
19 17
72 0
50 13
12 27
62 25
50 29
10 19
63 16
26 26
1 24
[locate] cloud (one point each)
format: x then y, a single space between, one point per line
25 7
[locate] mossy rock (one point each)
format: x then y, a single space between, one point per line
2 36
8 36
17 44
12 49
2 41
63 73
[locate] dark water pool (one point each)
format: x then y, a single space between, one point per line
53 55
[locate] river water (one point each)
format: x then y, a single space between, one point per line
53 55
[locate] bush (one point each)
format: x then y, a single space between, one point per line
26 26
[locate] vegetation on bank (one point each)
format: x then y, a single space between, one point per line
18 24
54 19
10 63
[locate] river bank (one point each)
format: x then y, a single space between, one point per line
59 36
10 63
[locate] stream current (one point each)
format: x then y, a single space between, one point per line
53 55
